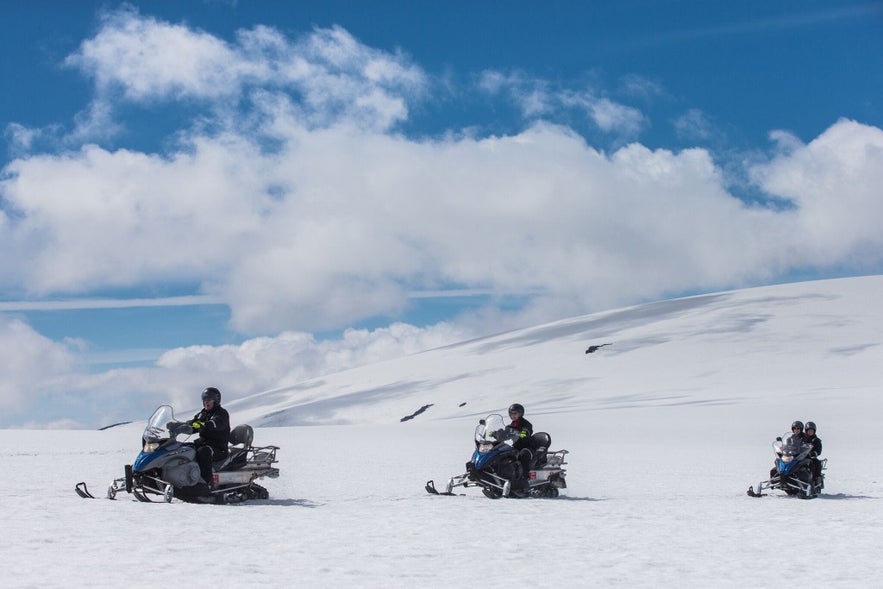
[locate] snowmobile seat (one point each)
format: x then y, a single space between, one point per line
240 441
242 435
539 444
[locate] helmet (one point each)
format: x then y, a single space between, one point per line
212 394
811 425
797 425
517 408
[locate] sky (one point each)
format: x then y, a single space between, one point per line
663 444
248 195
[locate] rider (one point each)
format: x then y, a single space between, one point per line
213 426
797 429
522 427
524 430
810 437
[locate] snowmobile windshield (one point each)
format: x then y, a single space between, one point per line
157 429
794 446
492 431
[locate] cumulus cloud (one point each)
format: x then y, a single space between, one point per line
835 184
147 59
28 359
142 60
44 377
341 220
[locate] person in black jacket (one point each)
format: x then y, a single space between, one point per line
524 430
809 435
213 426
523 427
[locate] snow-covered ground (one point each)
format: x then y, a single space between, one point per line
667 428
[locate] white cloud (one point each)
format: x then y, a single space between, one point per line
613 117
29 362
147 59
536 98
144 60
641 87
121 218
268 362
341 223
835 184
42 378
21 138
694 125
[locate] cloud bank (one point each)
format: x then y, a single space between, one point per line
293 195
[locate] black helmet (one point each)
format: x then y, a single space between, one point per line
811 425
797 425
212 394
517 408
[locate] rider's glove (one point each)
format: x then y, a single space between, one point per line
176 428
197 425
523 434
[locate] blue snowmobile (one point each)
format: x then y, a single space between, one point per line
502 471
168 469
793 471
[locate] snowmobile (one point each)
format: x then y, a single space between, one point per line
793 470
168 469
499 469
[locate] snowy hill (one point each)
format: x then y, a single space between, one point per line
667 427
819 342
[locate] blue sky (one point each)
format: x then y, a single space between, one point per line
255 193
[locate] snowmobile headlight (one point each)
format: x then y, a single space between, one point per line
151 446
787 458
485 448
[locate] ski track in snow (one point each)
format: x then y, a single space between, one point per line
664 440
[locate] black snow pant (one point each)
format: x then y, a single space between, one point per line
204 457
815 465
525 457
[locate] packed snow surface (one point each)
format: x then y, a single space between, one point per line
666 427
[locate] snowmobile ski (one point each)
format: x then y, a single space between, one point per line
430 488
83 491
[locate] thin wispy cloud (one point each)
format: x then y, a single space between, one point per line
80 304
792 21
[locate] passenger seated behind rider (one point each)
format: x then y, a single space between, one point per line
524 430
809 436
213 426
